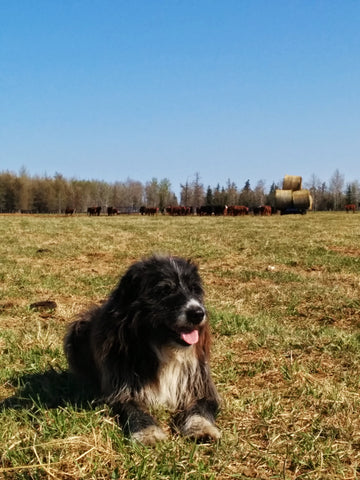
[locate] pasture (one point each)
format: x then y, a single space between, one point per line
283 295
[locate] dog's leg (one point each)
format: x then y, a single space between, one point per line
138 424
198 422
200 428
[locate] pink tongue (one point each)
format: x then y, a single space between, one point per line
190 338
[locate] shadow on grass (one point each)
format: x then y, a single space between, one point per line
50 389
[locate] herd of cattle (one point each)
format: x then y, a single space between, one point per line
205 210
175 210
208 210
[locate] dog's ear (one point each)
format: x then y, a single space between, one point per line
128 287
194 265
203 345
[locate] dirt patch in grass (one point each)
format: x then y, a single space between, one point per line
344 250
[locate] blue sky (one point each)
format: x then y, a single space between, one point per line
231 89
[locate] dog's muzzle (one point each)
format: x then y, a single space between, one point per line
195 314
189 322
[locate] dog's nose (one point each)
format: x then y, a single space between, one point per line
195 315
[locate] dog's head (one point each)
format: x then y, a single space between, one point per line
162 298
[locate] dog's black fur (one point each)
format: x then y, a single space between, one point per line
148 345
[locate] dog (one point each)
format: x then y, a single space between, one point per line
148 346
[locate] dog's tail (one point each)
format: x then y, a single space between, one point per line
78 351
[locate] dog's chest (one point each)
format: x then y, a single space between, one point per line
176 376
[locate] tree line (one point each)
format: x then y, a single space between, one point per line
34 194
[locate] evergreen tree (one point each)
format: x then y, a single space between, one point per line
209 196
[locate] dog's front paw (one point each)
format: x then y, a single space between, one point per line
200 428
150 435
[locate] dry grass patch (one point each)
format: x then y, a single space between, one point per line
283 297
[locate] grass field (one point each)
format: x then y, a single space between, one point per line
284 303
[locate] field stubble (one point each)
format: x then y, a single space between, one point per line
283 298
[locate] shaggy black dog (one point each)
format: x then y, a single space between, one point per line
148 345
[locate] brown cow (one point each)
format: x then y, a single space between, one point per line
351 207
178 210
173 210
237 210
265 210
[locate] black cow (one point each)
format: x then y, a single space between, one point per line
112 211
94 211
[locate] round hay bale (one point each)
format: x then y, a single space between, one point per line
292 182
311 202
301 199
283 199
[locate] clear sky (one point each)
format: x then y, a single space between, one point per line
231 89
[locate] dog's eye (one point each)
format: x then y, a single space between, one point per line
163 289
197 290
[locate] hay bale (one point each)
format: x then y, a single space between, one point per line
311 202
292 182
301 199
283 199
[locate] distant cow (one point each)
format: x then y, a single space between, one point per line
176 210
112 211
351 207
293 211
93 211
151 210
69 211
212 210
265 210
204 210
219 210
173 210
237 210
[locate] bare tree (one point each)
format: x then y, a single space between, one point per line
336 187
198 191
314 186
259 193
166 196
231 193
185 194
353 193
24 196
61 193
8 192
152 193
136 193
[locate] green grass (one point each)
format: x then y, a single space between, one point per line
283 297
